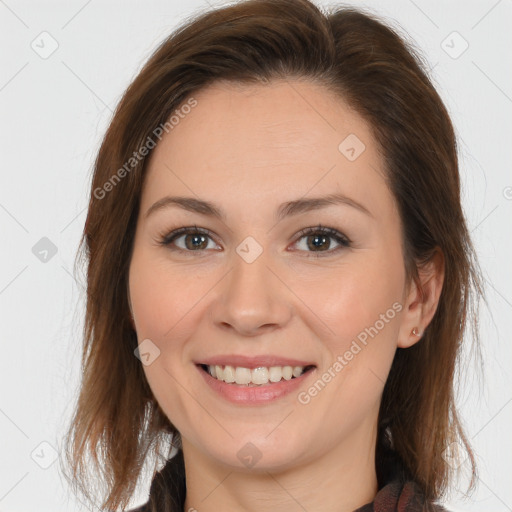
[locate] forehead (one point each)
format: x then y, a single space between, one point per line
273 141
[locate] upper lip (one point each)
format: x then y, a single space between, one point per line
254 361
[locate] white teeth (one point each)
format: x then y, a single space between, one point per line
275 373
229 374
256 376
259 375
297 370
287 372
242 375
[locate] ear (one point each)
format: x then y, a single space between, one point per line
422 300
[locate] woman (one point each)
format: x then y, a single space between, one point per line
255 136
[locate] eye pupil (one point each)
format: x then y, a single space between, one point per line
195 238
316 244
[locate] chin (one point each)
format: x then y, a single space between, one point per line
258 451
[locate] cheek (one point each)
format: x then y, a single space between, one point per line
167 305
353 297
164 313
162 296
360 307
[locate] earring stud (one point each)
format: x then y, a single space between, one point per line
416 332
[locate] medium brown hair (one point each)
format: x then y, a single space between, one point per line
117 420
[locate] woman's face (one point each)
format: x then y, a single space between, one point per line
251 289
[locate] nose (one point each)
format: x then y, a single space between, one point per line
253 298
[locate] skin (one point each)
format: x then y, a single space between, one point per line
248 149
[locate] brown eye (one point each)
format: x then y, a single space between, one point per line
190 239
320 240
195 241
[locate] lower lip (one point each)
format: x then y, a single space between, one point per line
253 395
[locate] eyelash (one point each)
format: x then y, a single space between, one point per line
342 240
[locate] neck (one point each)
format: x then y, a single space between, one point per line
341 479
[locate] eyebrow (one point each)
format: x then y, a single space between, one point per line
287 209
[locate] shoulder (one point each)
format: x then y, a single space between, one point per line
411 498
400 496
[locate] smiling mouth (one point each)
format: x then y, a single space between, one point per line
259 376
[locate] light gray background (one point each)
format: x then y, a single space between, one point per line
54 112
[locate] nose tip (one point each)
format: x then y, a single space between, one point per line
252 299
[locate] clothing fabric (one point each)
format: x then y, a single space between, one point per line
396 493
400 497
